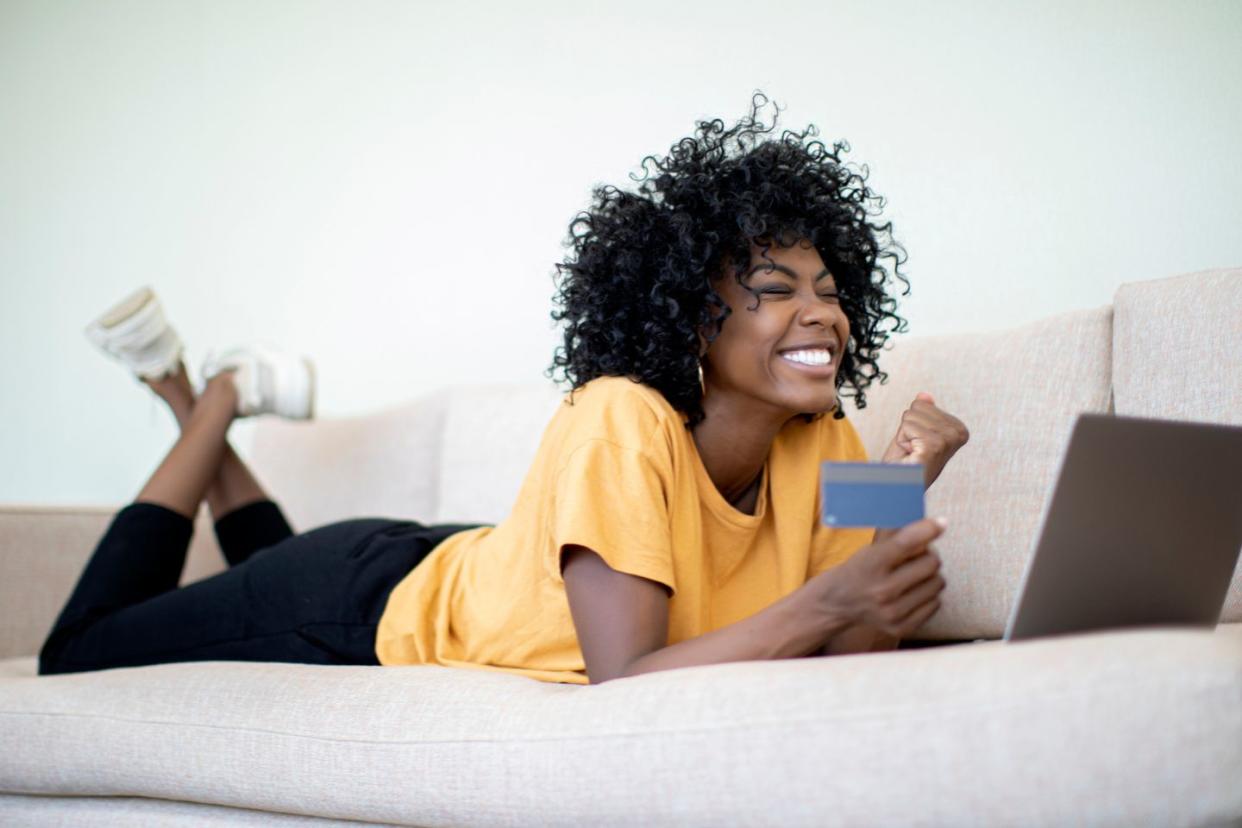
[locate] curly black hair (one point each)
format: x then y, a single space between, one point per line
638 282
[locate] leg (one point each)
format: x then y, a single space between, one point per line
233 485
246 519
181 480
314 598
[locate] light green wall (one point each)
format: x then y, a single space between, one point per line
386 185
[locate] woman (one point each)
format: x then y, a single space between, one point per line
671 514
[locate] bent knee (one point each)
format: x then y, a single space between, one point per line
51 655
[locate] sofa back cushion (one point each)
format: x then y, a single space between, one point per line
385 464
1018 391
457 455
491 434
1177 346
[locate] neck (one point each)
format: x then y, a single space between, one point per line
734 440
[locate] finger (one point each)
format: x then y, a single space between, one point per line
909 449
929 436
926 419
918 451
910 440
917 596
914 571
909 625
910 539
924 432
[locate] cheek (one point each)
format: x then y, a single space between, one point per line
742 355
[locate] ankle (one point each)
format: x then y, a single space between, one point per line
179 400
182 411
175 385
222 387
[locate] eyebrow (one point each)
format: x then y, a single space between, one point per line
785 270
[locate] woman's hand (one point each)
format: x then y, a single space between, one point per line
926 435
882 592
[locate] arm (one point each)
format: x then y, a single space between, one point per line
622 623
858 639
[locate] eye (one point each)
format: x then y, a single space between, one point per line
780 291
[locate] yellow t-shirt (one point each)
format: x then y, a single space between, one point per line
618 472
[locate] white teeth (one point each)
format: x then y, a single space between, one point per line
809 357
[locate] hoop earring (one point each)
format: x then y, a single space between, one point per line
702 384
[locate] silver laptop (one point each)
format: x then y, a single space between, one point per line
1143 528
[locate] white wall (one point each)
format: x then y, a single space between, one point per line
386 185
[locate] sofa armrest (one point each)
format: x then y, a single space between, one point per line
43 550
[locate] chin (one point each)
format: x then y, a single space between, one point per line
800 395
813 406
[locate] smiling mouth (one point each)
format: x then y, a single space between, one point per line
813 369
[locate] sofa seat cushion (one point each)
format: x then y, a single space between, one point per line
130 811
1099 729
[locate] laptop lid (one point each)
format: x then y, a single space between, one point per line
1143 528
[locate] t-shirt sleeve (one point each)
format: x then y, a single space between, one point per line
614 501
832 546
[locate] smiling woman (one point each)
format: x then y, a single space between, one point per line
774 237
670 516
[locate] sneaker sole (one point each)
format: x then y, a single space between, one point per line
102 331
126 308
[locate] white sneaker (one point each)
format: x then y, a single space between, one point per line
268 381
135 331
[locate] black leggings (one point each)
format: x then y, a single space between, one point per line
313 598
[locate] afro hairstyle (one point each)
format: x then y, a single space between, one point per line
636 287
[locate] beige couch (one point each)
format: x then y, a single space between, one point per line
1142 727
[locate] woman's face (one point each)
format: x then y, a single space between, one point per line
798 311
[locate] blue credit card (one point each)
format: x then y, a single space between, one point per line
884 495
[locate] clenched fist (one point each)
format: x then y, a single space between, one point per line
926 435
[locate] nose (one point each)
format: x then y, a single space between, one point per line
814 309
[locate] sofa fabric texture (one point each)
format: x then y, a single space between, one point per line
1117 728
949 736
